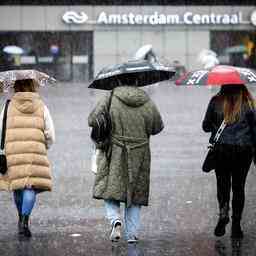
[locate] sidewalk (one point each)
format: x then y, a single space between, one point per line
183 207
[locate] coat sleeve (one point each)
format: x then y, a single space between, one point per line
157 123
208 124
49 130
101 106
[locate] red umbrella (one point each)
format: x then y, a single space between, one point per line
219 75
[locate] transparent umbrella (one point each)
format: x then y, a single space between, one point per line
8 78
145 53
208 59
13 49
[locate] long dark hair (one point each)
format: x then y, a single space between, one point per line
235 98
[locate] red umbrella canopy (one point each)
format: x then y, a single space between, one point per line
219 75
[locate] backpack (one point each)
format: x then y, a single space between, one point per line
102 130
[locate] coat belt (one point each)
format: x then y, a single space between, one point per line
125 143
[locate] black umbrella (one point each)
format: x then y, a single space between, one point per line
138 73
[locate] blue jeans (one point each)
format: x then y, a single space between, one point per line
24 200
131 217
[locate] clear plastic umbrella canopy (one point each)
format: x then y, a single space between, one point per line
142 51
13 49
8 78
145 53
208 59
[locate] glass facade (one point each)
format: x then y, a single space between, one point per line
74 44
235 47
56 53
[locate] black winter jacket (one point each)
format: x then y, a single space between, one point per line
240 133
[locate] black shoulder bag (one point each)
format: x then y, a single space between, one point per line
102 130
250 120
209 163
3 162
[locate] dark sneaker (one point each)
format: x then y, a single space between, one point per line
220 228
236 231
24 227
20 226
27 232
116 231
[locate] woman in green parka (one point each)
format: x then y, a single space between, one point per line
124 174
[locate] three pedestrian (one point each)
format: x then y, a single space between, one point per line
124 174
29 133
234 105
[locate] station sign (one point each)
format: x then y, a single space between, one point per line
156 18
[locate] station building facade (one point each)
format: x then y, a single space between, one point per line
73 42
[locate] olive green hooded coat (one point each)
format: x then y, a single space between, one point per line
124 174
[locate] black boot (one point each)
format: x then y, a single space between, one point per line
220 228
20 227
25 226
236 231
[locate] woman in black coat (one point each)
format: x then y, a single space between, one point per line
235 105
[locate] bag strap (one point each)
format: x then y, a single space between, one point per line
4 124
110 99
219 132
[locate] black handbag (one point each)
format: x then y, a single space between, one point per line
210 160
3 162
250 118
102 130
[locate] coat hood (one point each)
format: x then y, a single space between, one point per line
131 96
26 102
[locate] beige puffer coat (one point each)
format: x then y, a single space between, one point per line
25 145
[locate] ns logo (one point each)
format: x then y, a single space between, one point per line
253 18
75 17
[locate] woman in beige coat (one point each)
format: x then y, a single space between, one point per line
29 133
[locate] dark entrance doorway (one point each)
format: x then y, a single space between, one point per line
236 48
68 56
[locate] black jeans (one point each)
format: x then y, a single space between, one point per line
233 164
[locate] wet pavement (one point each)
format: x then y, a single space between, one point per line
183 207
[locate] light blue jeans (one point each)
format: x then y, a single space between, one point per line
24 200
131 217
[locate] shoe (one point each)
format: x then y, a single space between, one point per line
116 231
133 240
220 228
236 231
20 229
24 230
